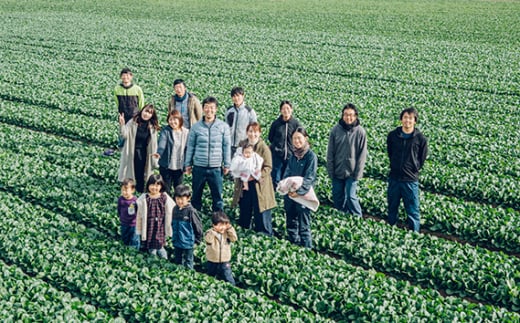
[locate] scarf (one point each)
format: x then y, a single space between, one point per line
177 99
300 152
347 126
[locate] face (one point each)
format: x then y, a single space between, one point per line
180 90
210 111
154 188
298 140
286 111
253 135
174 123
127 191
146 114
238 99
126 78
408 122
349 116
247 152
182 201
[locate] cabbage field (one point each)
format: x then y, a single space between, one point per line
457 62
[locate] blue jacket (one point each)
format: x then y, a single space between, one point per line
186 227
305 167
165 145
208 145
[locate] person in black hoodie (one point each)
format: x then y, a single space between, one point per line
407 149
280 139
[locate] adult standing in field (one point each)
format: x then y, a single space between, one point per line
303 163
186 103
171 151
257 201
140 144
208 155
407 149
238 117
280 139
346 157
129 98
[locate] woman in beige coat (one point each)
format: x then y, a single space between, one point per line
140 134
257 201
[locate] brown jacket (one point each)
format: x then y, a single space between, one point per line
264 186
218 246
194 107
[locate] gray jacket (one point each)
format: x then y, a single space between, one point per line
238 120
346 151
208 145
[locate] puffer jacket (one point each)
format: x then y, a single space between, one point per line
208 145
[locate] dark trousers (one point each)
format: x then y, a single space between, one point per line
183 257
298 222
171 176
139 166
263 222
279 165
221 271
212 176
129 237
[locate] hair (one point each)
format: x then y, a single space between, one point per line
237 90
302 131
176 115
182 190
155 179
179 81
350 106
125 70
248 145
128 182
284 102
219 217
255 126
154 121
210 99
410 110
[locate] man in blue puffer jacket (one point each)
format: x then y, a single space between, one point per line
208 155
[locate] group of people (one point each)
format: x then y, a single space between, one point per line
196 142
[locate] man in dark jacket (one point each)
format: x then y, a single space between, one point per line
407 149
346 157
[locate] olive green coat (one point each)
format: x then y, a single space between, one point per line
264 186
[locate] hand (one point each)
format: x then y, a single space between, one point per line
122 119
156 155
187 170
226 170
293 194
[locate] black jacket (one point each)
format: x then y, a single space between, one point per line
407 155
280 137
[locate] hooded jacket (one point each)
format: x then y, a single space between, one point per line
346 151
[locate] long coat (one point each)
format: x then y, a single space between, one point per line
126 165
264 186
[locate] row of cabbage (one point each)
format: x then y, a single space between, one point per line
429 261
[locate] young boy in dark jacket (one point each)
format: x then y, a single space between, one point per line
186 227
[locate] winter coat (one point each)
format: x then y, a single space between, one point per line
238 119
129 100
194 108
165 145
186 227
208 145
306 168
218 246
142 215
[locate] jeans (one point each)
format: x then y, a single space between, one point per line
183 257
409 192
249 209
212 176
129 237
345 197
169 176
222 271
279 165
298 224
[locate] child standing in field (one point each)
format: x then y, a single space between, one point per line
245 164
218 247
127 210
171 150
154 217
186 227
